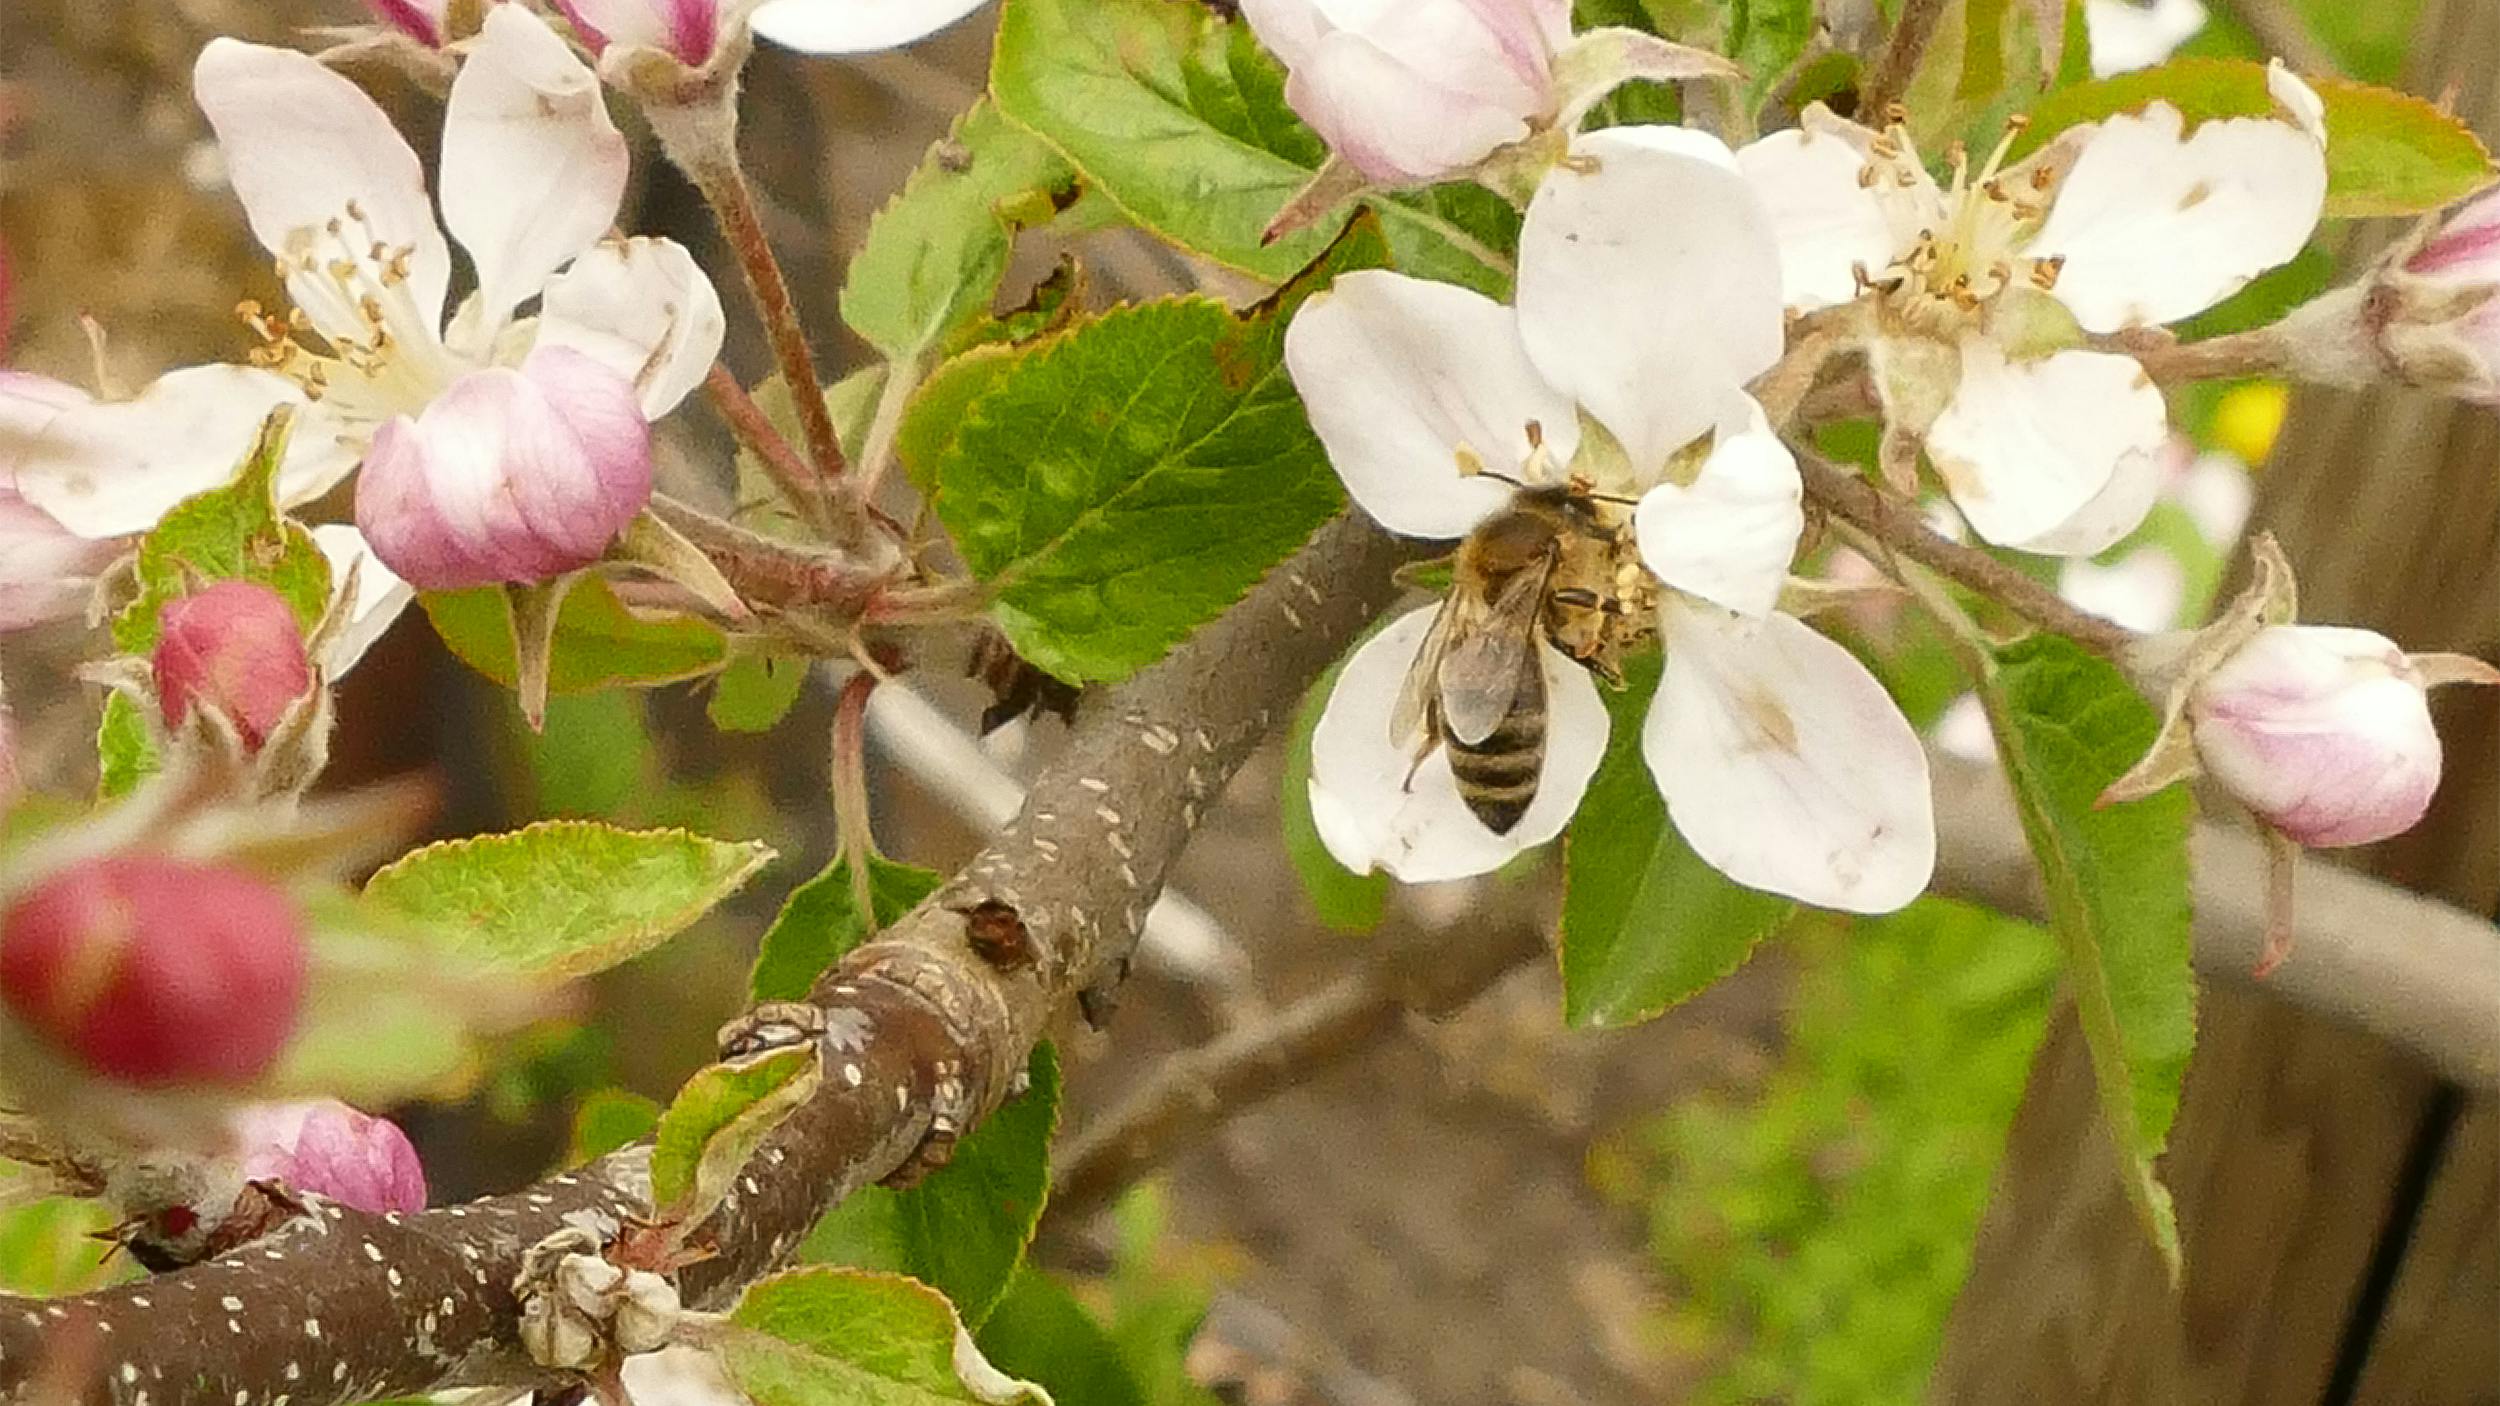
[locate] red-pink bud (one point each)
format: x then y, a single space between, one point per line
156 971
237 648
327 1148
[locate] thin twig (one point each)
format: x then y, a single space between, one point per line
1899 62
768 571
1199 1090
723 185
755 433
1899 528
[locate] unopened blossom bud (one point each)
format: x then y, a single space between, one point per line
686 29
234 647
2323 731
156 971
510 476
2434 311
433 23
1417 91
327 1148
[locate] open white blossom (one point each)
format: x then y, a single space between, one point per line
2130 34
1983 290
1648 295
533 173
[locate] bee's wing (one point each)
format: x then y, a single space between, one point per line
1412 726
1486 670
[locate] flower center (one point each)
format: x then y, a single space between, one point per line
1968 251
356 336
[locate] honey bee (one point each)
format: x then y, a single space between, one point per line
1543 568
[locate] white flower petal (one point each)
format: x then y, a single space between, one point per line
2153 228
2130 34
2026 445
106 468
1398 375
643 309
47 572
301 144
2298 100
1786 766
380 594
1649 285
2142 590
685 29
856 26
1828 223
1730 535
533 169
1368 814
2135 484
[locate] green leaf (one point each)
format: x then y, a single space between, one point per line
1766 38
2067 725
1344 900
53 1246
840 1337
608 1119
563 898
717 1121
234 533
1179 117
1040 1332
391 1013
598 642
964 1227
2387 153
756 691
934 255
125 748
1120 484
1646 923
819 924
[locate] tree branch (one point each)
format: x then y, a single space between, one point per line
1855 501
923 1037
1899 61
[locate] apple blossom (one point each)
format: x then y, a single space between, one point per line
155 971
1981 290
686 30
329 1149
2325 731
429 22
2434 305
1427 90
533 172
1647 298
233 647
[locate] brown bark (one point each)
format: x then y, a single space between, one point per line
2338 1236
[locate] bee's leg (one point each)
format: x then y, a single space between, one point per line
1579 598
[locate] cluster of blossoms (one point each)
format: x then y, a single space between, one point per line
1654 269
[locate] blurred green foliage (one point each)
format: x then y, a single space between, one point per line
1815 1232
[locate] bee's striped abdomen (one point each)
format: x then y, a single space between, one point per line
1497 776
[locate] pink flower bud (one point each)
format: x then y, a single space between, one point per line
156 971
426 21
1420 90
509 476
2323 731
234 647
688 29
327 1148
2435 314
